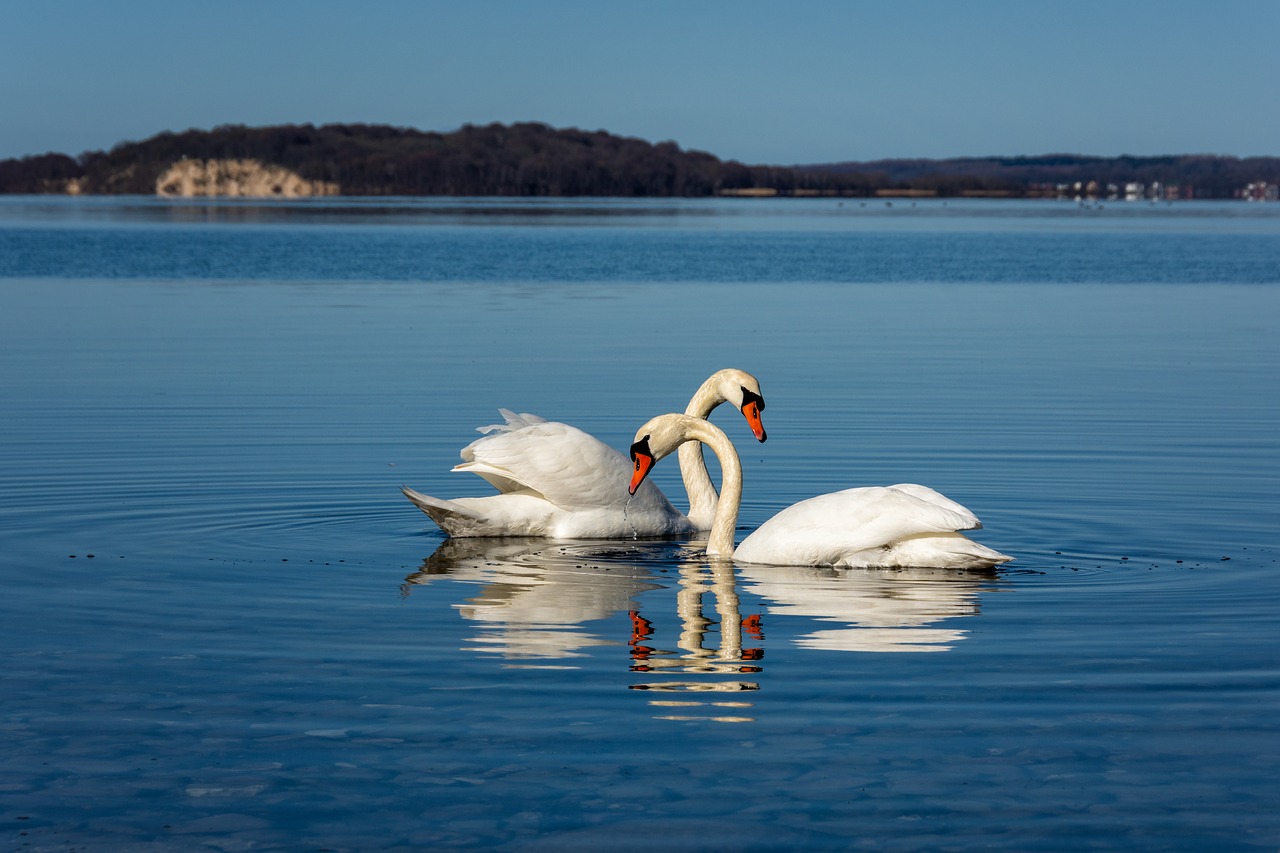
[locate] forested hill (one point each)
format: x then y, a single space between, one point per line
531 159
507 160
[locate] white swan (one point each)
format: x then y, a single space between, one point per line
559 482
893 526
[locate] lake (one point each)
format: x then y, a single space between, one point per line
224 628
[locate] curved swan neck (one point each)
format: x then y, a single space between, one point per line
707 397
693 468
702 492
720 542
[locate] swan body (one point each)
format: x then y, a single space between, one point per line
556 481
907 525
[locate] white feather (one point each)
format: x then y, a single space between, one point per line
907 525
554 480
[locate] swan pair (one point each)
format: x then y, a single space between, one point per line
556 481
874 527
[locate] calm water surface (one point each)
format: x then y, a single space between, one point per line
223 628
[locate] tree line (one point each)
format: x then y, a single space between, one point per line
533 159
1197 175
526 159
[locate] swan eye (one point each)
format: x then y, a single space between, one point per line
640 448
643 460
752 406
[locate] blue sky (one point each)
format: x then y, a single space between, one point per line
782 82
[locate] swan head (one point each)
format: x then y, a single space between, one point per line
658 438
742 390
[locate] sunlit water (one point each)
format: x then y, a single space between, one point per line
223 627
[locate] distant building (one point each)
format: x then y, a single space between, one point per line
1260 191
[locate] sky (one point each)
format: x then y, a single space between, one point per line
785 83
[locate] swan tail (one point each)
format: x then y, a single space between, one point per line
943 551
975 555
495 515
450 516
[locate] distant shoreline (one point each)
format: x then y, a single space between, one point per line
535 160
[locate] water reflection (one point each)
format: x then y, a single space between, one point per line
877 610
697 652
536 600
352 210
535 596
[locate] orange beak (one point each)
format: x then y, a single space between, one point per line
751 411
643 463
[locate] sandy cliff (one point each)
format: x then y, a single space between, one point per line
237 178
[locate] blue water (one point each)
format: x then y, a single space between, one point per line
224 628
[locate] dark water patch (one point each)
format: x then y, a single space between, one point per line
599 257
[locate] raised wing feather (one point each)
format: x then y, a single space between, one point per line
555 461
514 421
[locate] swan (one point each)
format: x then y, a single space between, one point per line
556 481
874 527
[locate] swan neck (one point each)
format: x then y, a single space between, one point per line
705 399
720 542
697 485
693 467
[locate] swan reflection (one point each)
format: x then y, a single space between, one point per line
540 603
535 596
879 610
697 653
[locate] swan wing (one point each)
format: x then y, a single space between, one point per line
569 468
936 498
553 480
560 463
